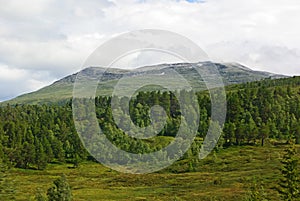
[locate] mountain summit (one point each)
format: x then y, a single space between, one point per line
61 90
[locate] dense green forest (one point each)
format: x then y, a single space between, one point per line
33 136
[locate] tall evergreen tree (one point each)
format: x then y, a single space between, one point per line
290 184
264 133
40 156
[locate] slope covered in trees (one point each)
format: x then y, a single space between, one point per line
34 135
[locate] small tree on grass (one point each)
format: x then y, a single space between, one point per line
61 190
290 184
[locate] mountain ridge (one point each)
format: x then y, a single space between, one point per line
61 90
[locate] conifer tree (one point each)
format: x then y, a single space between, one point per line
40 157
290 184
61 190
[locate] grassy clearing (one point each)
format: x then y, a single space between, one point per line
225 175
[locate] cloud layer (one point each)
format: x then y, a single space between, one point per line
44 40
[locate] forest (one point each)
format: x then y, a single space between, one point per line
32 136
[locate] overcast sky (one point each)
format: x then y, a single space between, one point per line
44 40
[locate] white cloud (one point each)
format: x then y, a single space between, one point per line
144 58
56 37
10 74
14 81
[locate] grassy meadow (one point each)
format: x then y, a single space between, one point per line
224 175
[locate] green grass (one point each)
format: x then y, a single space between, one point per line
225 175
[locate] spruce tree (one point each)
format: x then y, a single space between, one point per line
40 157
61 190
290 184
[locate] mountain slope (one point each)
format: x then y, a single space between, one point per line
61 90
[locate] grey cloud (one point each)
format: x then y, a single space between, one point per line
16 81
56 36
258 55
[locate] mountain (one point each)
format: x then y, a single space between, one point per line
61 90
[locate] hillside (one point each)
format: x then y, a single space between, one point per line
61 90
256 112
40 142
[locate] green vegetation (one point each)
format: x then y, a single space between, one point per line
224 176
61 190
40 142
7 190
33 135
257 192
290 183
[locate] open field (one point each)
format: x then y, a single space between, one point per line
225 175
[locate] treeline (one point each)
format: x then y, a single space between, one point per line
33 135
